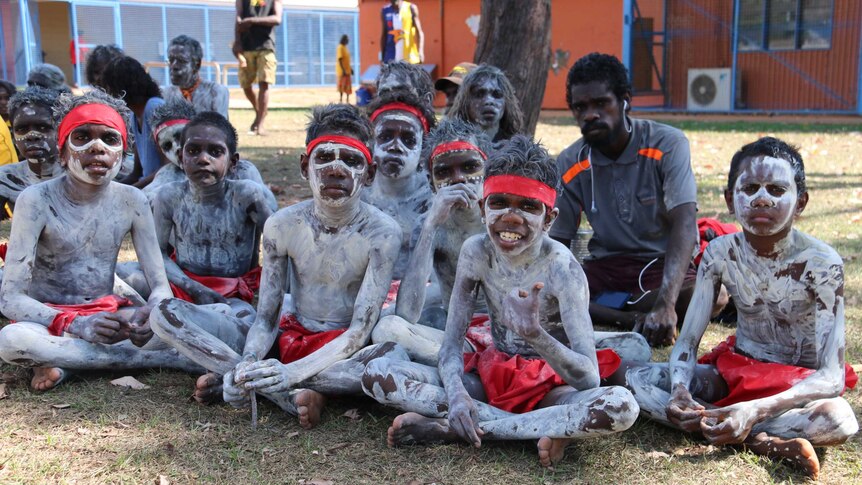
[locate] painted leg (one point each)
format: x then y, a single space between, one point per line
262 106
130 273
29 344
252 98
421 343
629 346
243 311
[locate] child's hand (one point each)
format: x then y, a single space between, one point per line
448 198
683 411
139 326
206 296
659 327
463 418
100 328
728 425
521 312
267 376
232 392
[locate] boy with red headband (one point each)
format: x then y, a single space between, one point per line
63 248
455 153
340 251
775 385
540 378
401 121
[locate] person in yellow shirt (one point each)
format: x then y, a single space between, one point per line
7 148
343 69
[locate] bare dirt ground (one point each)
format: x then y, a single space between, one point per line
88 431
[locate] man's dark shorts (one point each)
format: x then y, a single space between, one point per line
621 273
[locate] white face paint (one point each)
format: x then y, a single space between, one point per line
397 144
331 158
28 111
95 173
456 166
764 196
514 235
169 143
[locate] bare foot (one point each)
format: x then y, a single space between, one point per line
45 378
413 428
309 404
551 451
252 130
208 389
797 451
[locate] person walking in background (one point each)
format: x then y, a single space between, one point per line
343 69
401 38
255 42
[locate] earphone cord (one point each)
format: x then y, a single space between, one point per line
640 283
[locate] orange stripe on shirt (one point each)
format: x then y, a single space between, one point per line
573 172
653 153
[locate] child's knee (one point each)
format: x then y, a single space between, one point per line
621 407
839 414
17 343
377 382
387 329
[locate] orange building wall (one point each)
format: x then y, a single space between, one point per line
700 35
577 27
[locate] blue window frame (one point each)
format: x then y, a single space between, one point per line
784 24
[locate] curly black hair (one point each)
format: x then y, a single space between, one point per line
599 67
418 81
98 59
522 156
126 78
194 47
8 87
512 121
341 119
175 110
216 120
769 146
34 96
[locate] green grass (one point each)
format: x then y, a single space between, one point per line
110 435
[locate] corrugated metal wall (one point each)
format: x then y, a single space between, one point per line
700 34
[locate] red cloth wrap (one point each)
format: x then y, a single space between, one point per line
454 146
109 303
392 294
749 379
520 186
718 227
242 287
297 342
343 140
399 106
167 124
97 114
516 384
3 248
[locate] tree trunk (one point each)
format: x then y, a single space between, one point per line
515 36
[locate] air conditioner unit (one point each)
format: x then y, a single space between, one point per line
709 90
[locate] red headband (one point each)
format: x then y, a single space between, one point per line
399 106
96 114
344 140
520 186
454 146
167 124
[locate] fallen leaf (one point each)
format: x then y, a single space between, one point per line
122 424
83 431
657 454
293 434
169 448
337 447
3 394
353 414
131 382
61 406
8 377
319 481
163 480
315 452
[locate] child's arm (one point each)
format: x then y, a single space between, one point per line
732 424
463 417
163 208
27 226
411 294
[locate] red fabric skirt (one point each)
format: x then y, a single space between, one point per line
718 228
108 303
748 379
516 384
392 294
297 342
242 287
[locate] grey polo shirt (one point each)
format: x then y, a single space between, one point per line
633 194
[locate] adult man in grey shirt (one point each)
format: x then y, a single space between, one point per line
633 180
